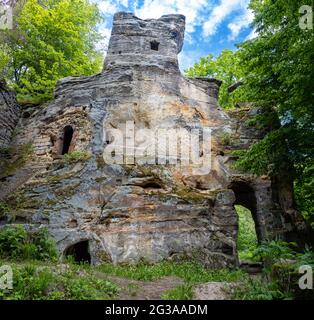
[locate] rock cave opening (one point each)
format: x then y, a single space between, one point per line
67 139
79 251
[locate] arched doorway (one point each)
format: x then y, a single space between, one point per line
249 232
79 251
67 139
246 238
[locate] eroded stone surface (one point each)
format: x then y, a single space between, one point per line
133 212
9 114
214 291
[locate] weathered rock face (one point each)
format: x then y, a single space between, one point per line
134 210
9 114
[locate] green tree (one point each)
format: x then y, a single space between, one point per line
279 73
52 39
225 67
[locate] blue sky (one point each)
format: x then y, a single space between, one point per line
211 25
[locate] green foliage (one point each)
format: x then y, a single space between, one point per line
226 139
225 67
4 60
52 39
33 282
279 74
247 238
4 209
76 156
281 271
189 271
16 158
273 251
280 274
28 284
18 244
258 289
87 288
184 292
304 186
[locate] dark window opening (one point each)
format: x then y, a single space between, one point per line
79 252
154 45
67 139
152 185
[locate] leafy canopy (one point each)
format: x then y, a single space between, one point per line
277 72
226 67
52 39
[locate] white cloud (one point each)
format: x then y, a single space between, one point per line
252 35
220 13
188 58
107 7
103 44
239 23
192 9
207 14
124 3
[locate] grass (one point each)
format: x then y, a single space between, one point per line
190 272
183 292
43 278
247 238
33 280
76 156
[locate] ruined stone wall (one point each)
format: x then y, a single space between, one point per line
129 212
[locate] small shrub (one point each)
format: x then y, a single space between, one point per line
226 139
76 156
32 282
258 289
273 251
87 288
17 243
4 209
281 272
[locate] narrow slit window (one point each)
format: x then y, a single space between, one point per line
67 139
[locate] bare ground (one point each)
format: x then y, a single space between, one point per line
142 290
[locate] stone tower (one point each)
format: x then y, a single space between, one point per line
132 210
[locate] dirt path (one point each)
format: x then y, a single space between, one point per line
142 290
154 290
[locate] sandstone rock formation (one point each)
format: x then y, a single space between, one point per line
125 212
9 114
